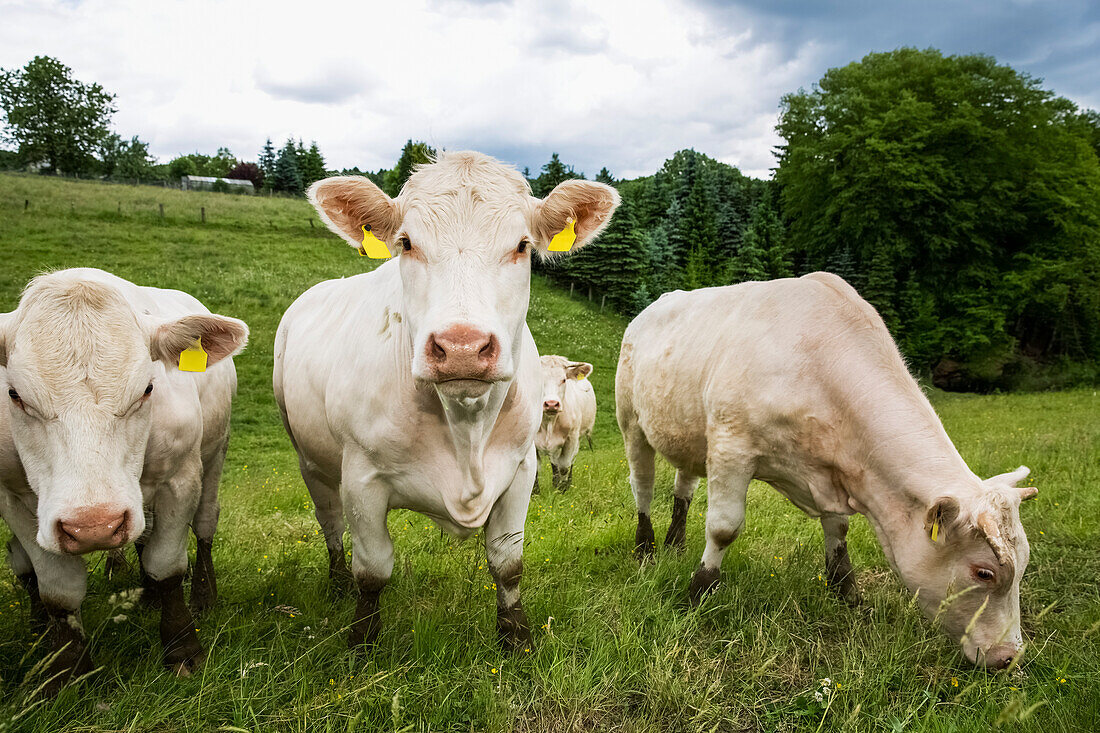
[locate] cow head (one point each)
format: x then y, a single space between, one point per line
966 558
464 229
79 368
556 370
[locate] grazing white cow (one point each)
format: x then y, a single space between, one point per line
105 442
797 382
417 385
568 414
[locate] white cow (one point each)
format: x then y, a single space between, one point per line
417 385
568 414
797 382
102 434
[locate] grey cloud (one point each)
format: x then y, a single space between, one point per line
328 86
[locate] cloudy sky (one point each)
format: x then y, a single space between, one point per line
622 83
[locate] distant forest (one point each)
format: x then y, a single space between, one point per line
956 194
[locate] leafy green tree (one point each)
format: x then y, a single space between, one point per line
968 177
54 119
128 160
287 178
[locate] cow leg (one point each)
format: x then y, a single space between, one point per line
566 458
329 510
164 559
535 484
20 563
148 586
504 550
641 456
681 502
838 566
367 503
61 581
204 583
727 485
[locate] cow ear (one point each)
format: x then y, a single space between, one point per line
1011 478
346 204
940 518
221 337
589 205
578 369
7 321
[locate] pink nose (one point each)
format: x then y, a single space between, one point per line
1000 656
461 352
551 405
100 527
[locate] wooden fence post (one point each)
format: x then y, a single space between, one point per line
203 210
602 301
162 212
311 223
571 289
120 207
590 292
26 204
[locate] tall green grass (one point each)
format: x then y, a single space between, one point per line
616 647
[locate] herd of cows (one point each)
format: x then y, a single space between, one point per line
418 385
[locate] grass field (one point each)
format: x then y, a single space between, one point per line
616 648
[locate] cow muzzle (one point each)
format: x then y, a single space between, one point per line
99 527
461 353
551 407
997 656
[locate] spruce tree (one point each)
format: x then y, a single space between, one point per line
287 178
412 155
267 164
312 165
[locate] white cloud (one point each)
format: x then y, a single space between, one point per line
622 83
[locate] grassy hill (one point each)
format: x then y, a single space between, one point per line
617 648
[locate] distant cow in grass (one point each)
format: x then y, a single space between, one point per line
797 382
105 441
417 385
568 414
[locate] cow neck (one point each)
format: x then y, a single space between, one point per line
905 464
470 425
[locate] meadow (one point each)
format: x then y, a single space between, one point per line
616 647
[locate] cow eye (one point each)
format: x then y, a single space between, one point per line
149 389
522 246
16 398
406 245
985 575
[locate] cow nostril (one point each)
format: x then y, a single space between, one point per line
123 523
488 349
438 352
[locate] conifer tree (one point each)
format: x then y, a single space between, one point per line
287 178
267 164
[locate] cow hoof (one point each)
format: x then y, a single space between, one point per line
202 601
187 667
676 539
513 630
702 583
364 642
70 663
185 653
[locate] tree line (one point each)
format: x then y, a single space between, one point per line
955 193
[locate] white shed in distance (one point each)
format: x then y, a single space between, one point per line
206 183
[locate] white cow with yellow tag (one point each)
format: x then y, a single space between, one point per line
417 385
797 382
105 441
568 414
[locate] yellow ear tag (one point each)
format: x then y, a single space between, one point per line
372 246
563 240
193 358
935 530
580 376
